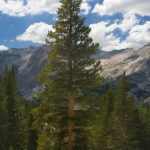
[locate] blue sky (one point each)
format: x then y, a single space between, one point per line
115 24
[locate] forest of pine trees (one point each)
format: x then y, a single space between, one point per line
113 121
15 116
69 114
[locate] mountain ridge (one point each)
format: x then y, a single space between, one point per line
29 62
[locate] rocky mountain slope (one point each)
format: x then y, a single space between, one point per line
30 61
136 64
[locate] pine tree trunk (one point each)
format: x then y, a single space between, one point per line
70 125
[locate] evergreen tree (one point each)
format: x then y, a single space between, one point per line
10 124
2 117
68 78
32 135
105 113
11 109
10 148
14 111
44 142
125 120
3 112
145 118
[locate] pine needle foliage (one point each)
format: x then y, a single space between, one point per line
125 120
64 114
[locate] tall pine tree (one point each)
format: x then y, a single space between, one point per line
103 127
10 120
125 121
70 73
32 135
144 109
2 116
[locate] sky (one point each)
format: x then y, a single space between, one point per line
115 24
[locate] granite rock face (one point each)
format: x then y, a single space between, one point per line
30 61
136 64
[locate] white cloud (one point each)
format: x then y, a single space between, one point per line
37 7
99 34
139 35
11 41
12 7
85 7
36 33
109 7
34 7
128 22
3 48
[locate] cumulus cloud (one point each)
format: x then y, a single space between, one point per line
99 33
11 7
36 33
128 22
109 7
34 7
139 35
17 7
3 48
102 32
85 7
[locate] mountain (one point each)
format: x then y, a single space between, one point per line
136 64
29 62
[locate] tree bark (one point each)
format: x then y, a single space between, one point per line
70 125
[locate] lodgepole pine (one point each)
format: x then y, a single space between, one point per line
71 72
